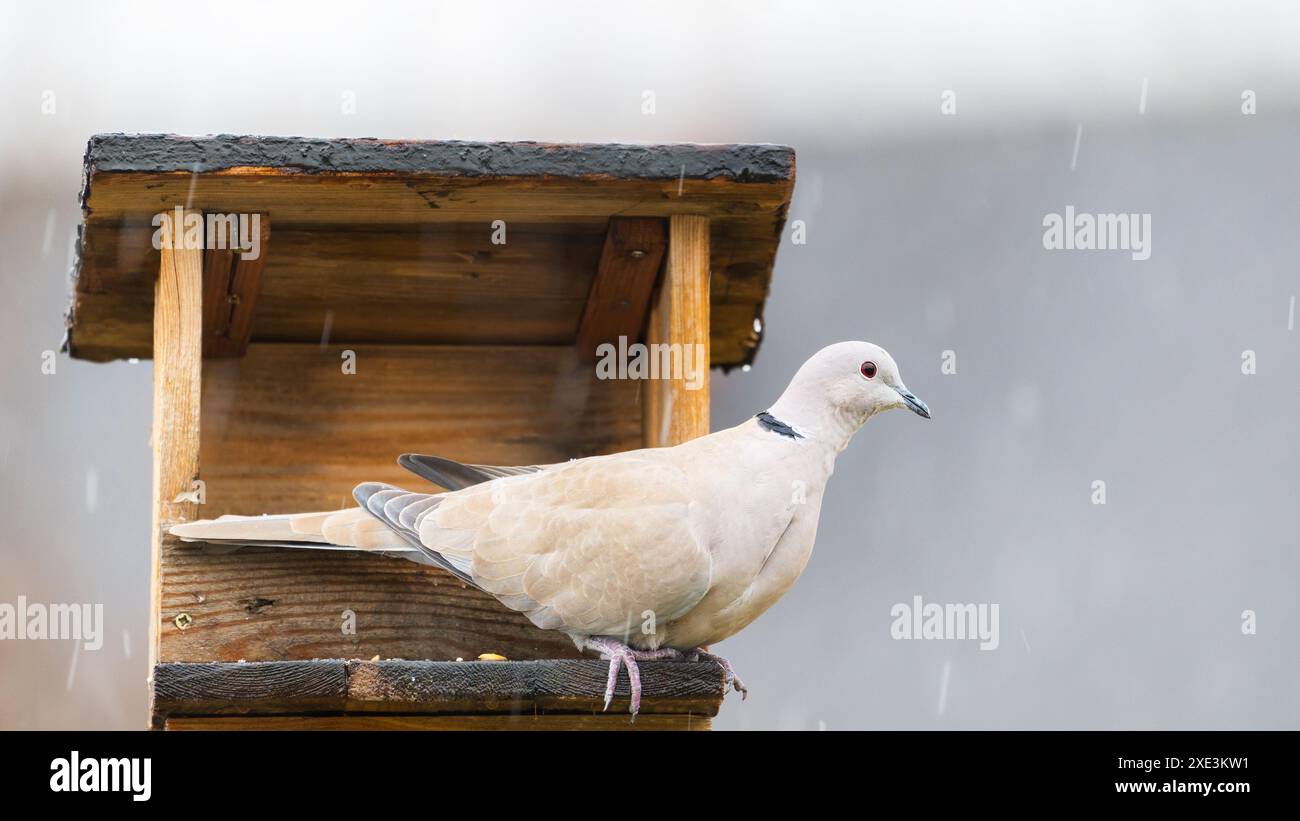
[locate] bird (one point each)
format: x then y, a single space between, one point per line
649 554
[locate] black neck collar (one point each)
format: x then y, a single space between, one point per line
769 422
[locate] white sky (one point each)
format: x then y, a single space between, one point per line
720 71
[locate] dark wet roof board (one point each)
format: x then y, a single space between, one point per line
393 238
162 153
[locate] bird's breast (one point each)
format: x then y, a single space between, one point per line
760 547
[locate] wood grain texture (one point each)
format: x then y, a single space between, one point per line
279 604
443 284
429 687
672 412
369 200
231 286
439 284
326 188
526 686
545 722
257 687
432 285
177 380
740 278
286 430
625 279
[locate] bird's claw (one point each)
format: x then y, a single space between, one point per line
730 679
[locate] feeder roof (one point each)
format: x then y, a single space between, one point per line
393 240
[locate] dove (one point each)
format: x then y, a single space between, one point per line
651 554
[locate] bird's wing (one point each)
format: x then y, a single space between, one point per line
397 511
594 546
454 475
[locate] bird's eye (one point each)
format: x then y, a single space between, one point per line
868 369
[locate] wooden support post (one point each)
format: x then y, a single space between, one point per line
674 411
625 281
177 371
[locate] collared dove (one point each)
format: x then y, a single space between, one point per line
647 554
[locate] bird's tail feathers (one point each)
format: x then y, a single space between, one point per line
348 529
387 520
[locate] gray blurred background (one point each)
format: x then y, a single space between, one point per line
924 235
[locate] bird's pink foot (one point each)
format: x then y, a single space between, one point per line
620 654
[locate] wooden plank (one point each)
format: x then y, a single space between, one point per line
231 285
533 260
673 412
527 686
625 279
260 687
438 285
546 722
285 430
370 200
283 604
429 688
177 379
446 284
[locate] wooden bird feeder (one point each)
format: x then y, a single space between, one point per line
435 297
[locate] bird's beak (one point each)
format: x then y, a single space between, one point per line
916 405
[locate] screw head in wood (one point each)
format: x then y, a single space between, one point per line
183 621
